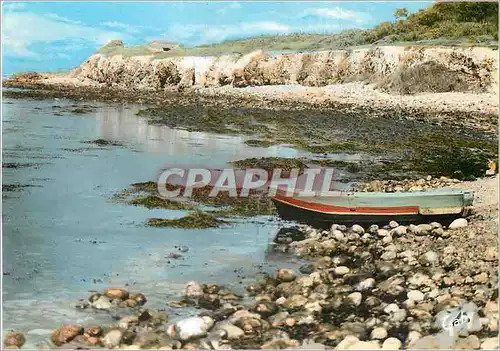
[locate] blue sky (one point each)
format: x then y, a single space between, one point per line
55 36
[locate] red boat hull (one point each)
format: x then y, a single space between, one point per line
323 216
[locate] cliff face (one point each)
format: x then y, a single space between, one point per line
396 68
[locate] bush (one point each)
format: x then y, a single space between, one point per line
448 20
427 77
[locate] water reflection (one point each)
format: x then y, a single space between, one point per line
122 124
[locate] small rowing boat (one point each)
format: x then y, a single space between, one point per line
443 205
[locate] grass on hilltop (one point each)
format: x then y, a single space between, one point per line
455 24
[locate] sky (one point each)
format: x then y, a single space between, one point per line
57 36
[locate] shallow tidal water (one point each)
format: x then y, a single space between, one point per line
64 235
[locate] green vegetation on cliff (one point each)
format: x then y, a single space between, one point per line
448 23
477 22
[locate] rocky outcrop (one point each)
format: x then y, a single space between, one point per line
13 339
435 69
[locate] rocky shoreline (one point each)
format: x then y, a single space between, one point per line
365 288
477 110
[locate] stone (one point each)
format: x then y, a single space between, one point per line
458 223
209 301
391 308
392 344
304 283
357 229
323 263
433 342
254 289
295 301
112 339
65 334
439 232
128 321
93 331
355 298
193 327
187 78
341 270
378 333
373 229
289 235
413 336
490 344
265 308
388 256
353 237
312 346
232 331
313 307
491 307
279 318
422 229
471 342
365 345
338 235
387 239
419 279
212 289
149 339
492 325
280 300
347 342
436 225
278 344
193 290
239 316
366 238
491 254
382 232
481 278
13 338
329 244
366 284
79 342
290 322
94 341
408 304
399 316
393 224
399 231
116 293
102 303
129 303
285 275
94 297
156 318
372 302
415 295
307 268
429 258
